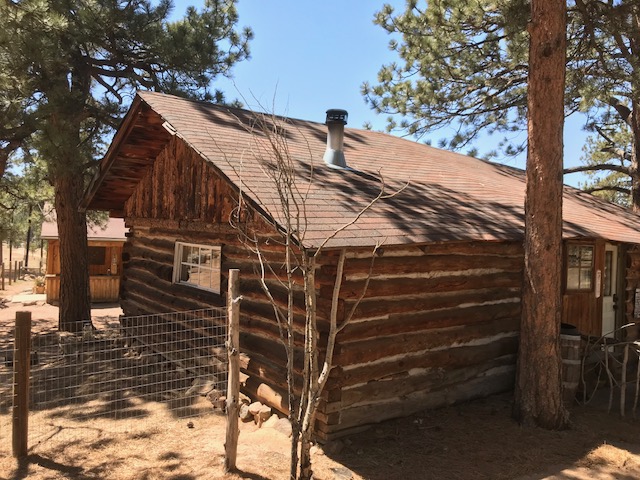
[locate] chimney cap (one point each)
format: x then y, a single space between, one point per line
337 115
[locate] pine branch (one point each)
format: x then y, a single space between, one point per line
623 110
608 188
593 168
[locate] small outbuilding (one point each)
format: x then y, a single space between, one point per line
439 320
105 259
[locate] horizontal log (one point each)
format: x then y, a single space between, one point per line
488 248
423 320
137 252
495 381
404 266
197 328
280 296
236 251
131 307
251 271
147 242
324 437
374 349
260 316
273 250
143 283
427 379
270 350
451 358
175 298
272 396
193 227
267 329
379 286
397 304
134 304
268 370
156 272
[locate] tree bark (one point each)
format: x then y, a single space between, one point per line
28 243
75 304
538 390
635 154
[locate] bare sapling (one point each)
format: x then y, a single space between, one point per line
276 234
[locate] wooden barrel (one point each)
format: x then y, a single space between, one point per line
571 354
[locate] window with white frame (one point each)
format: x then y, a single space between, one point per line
197 265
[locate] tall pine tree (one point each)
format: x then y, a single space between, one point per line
538 388
464 63
67 71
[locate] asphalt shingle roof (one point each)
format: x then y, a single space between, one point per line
445 196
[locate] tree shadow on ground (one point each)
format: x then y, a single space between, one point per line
22 471
249 475
480 440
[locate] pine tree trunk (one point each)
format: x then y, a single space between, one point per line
75 306
634 169
538 390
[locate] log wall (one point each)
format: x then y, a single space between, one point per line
162 211
438 323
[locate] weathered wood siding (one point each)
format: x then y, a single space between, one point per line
438 325
104 279
103 288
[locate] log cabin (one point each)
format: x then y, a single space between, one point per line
105 259
438 322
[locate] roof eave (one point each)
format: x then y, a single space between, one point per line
107 161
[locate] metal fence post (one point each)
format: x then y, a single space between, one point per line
233 386
21 363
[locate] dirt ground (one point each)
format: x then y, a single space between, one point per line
477 440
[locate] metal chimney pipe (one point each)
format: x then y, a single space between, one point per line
334 154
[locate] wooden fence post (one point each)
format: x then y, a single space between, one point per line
21 363
2 274
233 385
10 273
15 270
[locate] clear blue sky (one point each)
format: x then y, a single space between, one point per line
307 57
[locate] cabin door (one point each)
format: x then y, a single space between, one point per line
609 290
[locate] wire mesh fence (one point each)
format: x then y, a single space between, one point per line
6 366
124 369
